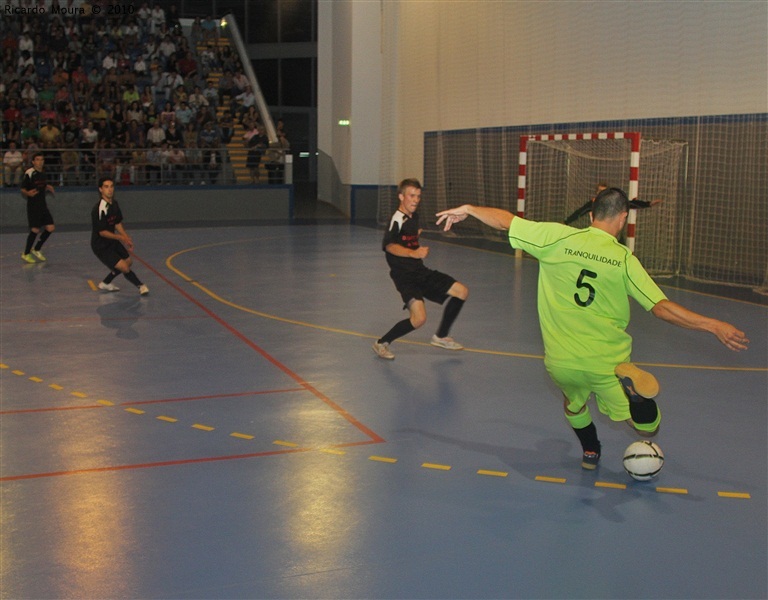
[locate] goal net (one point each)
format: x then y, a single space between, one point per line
558 175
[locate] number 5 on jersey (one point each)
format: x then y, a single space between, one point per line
580 283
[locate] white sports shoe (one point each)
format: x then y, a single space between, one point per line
383 350
446 343
143 290
108 287
38 255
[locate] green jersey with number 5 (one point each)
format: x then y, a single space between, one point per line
585 279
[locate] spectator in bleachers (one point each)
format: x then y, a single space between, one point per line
176 163
135 134
130 95
97 112
116 114
81 96
139 163
226 86
169 81
79 75
189 134
135 113
141 69
29 92
166 49
240 82
28 110
180 95
25 61
47 113
197 100
184 114
70 134
210 30
70 165
88 135
143 15
188 67
252 115
227 127
94 77
13 168
104 130
131 31
167 116
211 94
173 135
156 134
107 160
194 162
11 115
109 61
26 44
210 136
62 97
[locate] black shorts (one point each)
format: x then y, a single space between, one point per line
38 215
422 283
112 254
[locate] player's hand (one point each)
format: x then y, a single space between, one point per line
451 216
656 201
421 252
731 337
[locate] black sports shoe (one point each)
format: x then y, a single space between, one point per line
638 385
589 460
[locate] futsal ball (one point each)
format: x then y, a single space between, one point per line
643 460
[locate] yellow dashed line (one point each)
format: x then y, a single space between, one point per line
436 467
166 419
35 379
282 443
492 473
17 372
135 411
105 402
383 459
78 394
741 495
333 451
666 490
92 285
4 366
242 436
550 479
606 484
203 427
55 386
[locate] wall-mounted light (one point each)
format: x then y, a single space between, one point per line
343 122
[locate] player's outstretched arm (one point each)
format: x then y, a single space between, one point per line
493 217
674 313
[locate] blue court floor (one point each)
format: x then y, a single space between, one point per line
232 435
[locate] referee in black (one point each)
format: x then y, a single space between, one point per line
34 186
109 240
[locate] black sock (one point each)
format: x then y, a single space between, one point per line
131 276
30 240
112 274
399 330
452 310
588 438
43 236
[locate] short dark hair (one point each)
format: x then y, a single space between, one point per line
36 154
103 179
610 203
412 182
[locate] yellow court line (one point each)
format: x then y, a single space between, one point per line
333 451
55 386
607 484
135 411
383 459
492 473
78 394
217 298
35 379
742 495
105 402
19 373
167 419
242 436
437 467
282 443
550 479
93 285
203 427
666 490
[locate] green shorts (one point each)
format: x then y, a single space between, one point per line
578 385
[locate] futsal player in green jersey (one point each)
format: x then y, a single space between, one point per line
585 279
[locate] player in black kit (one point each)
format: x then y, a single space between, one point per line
413 280
34 186
109 241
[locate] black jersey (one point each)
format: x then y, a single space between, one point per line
404 231
35 180
104 217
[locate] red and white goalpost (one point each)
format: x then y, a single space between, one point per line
590 154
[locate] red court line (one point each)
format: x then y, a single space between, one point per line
367 431
170 463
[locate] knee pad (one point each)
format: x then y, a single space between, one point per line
645 415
